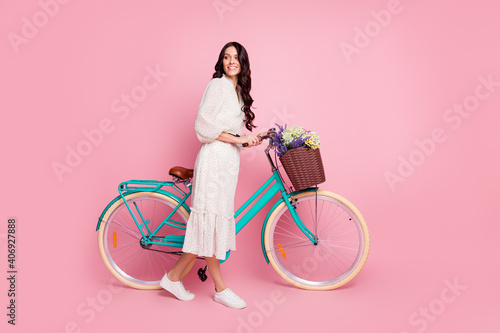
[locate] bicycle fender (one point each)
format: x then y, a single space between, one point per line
168 194
267 219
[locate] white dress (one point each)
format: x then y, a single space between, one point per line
211 227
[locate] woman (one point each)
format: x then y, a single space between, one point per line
224 108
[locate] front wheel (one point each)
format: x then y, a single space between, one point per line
131 261
334 258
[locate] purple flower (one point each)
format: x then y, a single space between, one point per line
281 148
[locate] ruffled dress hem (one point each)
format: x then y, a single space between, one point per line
209 234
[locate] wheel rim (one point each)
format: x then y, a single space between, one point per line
133 261
340 242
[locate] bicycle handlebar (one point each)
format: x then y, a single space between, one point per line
269 135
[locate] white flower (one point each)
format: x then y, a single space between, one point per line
292 133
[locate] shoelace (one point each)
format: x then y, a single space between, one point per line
233 296
183 290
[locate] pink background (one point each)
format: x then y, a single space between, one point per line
437 227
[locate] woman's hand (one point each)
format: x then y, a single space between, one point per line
259 138
251 140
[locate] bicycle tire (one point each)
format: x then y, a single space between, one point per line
342 246
119 239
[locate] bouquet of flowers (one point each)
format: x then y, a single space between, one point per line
298 150
294 137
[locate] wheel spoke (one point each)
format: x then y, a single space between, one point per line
292 245
123 228
140 267
290 234
332 261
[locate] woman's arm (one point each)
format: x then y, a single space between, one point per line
206 126
229 138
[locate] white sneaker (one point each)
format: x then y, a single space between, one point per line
229 299
176 288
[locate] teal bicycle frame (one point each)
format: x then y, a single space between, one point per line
273 185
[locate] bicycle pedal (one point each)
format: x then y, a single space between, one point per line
202 274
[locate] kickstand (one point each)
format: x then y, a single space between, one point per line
202 274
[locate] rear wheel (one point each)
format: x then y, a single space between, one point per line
127 258
340 250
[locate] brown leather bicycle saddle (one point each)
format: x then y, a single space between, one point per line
181 172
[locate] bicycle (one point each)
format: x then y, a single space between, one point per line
314 239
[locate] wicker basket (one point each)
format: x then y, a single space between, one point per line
304 167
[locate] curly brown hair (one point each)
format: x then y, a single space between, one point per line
244 80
